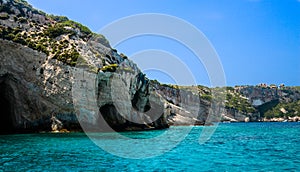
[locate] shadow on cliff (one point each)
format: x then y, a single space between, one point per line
6 106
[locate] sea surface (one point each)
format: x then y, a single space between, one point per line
232 147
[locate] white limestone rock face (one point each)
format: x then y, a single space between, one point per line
34 88
259 96
126 102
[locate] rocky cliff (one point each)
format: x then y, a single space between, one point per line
238 104
186 105
56 74
273 101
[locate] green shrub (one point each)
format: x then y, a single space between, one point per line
17 30
9 36
85 30
206 97
74 55
18 39
109 68
69 58
123 56
41 48
73 63
230 89
234 100
31 44
58 18
292 109
22 20
24 2
56 30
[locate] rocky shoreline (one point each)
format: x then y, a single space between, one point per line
288 119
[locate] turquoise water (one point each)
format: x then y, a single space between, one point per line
233 147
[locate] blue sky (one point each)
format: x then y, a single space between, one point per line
258 41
